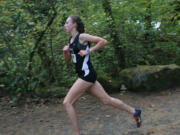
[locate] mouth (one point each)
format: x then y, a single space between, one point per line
65 28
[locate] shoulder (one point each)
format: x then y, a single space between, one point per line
84 36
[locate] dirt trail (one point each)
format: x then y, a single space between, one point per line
161 116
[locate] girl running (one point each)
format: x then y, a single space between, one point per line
79 50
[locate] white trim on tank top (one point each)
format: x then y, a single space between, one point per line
85 67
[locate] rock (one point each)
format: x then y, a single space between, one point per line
150 77
123 87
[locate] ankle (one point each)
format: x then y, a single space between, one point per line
136 112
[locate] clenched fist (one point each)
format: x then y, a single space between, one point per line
83 52
66 48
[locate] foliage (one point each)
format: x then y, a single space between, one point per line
32 38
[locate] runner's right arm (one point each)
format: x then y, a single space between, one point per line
67 54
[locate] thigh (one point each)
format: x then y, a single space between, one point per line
98 91
77 89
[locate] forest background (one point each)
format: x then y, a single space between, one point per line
32 35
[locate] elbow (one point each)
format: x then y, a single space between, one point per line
105 42
67 56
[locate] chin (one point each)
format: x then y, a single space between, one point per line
67 31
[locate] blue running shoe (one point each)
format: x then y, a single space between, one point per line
137 117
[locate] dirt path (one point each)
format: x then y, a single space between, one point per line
161 116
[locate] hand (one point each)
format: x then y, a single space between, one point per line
66 48
83 52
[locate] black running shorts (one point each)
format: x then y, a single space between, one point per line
91 77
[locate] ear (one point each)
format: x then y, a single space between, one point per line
75 24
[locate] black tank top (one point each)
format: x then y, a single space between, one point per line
82 64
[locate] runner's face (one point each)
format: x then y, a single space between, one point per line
69 25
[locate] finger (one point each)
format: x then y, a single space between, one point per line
79 53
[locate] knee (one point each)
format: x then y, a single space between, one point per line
66 103
106 101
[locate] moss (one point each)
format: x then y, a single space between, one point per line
151 77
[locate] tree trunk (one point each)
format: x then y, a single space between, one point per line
29 74
117 43
148 27
175 17
46 62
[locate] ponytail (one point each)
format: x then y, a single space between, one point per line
80 26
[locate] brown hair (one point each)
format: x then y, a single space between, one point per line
76 19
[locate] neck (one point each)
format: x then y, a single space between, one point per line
74 33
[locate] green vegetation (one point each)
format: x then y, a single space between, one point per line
32 36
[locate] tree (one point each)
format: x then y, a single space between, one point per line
117 43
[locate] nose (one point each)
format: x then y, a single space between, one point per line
65 26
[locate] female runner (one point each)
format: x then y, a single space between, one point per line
79 49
